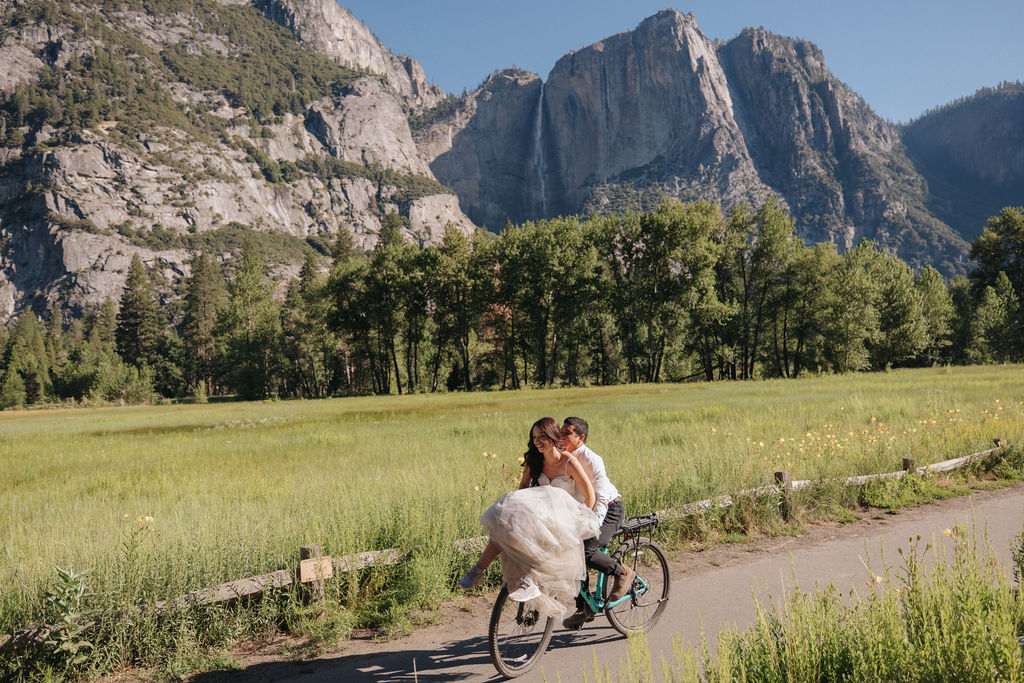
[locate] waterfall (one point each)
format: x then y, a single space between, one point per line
538 152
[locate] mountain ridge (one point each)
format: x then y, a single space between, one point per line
154 128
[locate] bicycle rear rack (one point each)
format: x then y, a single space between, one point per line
635 525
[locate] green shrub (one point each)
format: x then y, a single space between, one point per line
895 494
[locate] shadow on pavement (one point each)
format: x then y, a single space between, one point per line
461 660
454 661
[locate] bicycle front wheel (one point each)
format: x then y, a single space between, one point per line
517 635
649 592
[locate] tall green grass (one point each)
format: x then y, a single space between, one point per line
235 489
955 619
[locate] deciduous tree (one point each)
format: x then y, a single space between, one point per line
937 306
310 347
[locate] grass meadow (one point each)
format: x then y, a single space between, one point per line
157 501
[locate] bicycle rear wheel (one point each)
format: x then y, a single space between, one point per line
517 636
649 592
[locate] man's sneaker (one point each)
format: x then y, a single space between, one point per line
473 578
576 621
622 584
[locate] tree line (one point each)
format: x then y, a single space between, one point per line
679 293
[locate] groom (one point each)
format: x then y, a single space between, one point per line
608 508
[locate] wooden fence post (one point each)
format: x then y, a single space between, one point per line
314 590
785 481
909 465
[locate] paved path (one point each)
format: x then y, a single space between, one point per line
713 587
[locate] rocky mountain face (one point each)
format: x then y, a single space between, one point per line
652 106
486 148
333 32
972 154
132 127
664 112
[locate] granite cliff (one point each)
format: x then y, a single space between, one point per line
333 32
162 127
664 112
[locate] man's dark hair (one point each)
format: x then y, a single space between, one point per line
579 425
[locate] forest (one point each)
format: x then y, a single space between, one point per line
682 293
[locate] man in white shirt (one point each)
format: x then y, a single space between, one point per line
608 508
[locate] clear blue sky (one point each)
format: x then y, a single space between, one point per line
902 56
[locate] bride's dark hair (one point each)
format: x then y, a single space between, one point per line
533 458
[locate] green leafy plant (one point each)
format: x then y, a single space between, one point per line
896 494
1017 554
68 641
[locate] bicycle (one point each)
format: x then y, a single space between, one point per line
518 636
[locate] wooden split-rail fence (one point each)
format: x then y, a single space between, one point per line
314 567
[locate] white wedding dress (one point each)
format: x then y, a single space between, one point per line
540 531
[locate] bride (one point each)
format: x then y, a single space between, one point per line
539 529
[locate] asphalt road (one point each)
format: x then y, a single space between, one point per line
714 588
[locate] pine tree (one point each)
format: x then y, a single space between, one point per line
26 378
1000 249
12 386
139 324
347 319
902 327
250 326
102 324
344 247
205 297
998 337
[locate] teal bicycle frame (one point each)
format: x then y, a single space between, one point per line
593 599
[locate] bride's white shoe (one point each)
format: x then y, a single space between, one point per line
473 578
528 590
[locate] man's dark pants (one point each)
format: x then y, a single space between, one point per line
592 546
